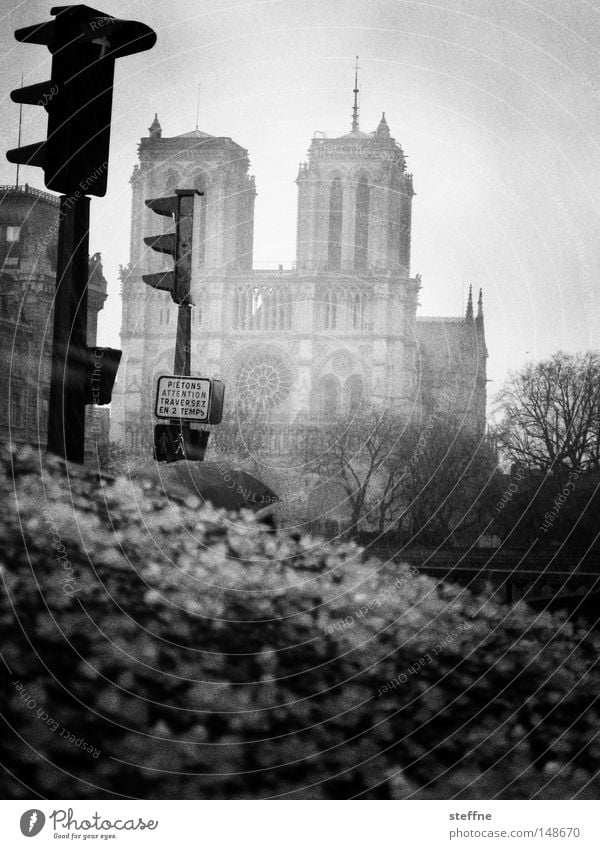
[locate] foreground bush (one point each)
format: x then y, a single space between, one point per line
159 650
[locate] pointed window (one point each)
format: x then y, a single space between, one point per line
361 229
330 311
358 316
334 256
353 393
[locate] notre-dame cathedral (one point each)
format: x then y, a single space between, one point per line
339 329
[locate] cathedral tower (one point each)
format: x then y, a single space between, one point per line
218 167
354 203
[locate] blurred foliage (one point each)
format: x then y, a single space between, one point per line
203 657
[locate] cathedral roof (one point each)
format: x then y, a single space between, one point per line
191 140
356 134
155 132
195 134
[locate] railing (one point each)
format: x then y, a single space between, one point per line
29 190
262 308
516 564
439 319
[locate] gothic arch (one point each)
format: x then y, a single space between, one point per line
362 173
199 180
335 174
171 182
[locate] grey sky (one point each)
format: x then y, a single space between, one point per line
496 104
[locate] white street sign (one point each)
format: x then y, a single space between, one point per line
181 397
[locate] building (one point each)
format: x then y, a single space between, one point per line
29 224
340 328
452 364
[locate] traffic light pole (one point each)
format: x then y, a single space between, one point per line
66 409
177 440
183 342
182 363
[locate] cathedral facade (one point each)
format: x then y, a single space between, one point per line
302 345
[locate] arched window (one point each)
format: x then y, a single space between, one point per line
353 393
336 196
171 183
361 228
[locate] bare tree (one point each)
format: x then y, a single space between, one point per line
550 414
363 453
431 480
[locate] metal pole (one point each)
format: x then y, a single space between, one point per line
182 362
183 341
66 409
183 260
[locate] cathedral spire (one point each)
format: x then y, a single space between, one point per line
480 307
469 313
382 131
155 130
355 107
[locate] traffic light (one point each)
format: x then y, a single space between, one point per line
84 44
91 373
175 442
178 244
217 397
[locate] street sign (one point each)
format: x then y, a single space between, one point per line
182 397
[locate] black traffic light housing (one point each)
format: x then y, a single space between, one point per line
92 373
84 44
174 442
217 397
101 371
180 206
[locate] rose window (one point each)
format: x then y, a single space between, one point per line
264 380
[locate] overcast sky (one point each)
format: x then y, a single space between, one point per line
495 102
